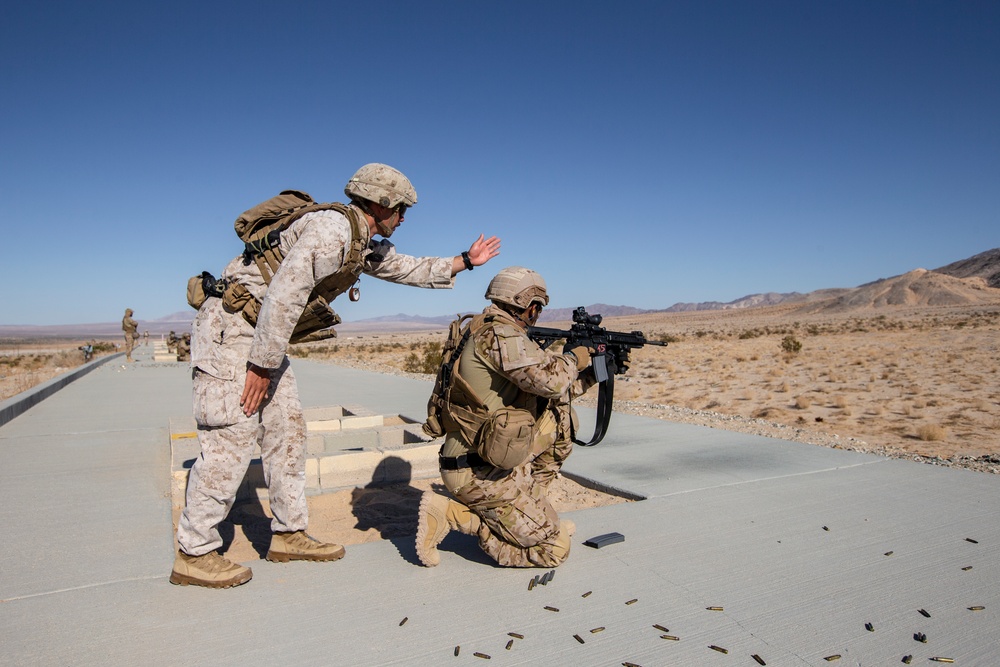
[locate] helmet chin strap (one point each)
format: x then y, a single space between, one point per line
529 316
383 229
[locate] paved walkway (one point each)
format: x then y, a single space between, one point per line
751 545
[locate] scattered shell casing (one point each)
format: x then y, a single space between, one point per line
869 627
405 619
586 594
596 630
510 643
515 635
760 660
977 608
632 601
531 584
968 539
660 627
714 608
457 650
579 639
966 568
920 637
718 648
940 659
629 664
831 658
924 613
887 553
907 659
551 608
482 655
670 638
826 528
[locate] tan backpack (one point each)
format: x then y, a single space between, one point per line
260 230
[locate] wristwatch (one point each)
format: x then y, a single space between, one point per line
465 258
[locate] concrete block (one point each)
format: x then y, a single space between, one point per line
420 462
323 425
346 470
315 444
312 474
350 440
323 414
359 422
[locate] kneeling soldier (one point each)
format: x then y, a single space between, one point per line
502 403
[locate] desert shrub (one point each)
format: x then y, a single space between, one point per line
790 344
750 333
428 362
667 338
803 402
931 433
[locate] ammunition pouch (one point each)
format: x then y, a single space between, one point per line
506 438
316 317
200 287
237 299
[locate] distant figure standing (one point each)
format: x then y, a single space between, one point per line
184 348
88 351
145 339
131 329
172 342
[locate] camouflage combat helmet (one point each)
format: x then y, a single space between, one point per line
517 286
381 184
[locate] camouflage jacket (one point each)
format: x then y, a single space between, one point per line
315 247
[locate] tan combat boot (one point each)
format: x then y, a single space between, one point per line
210 570
436 517
299 546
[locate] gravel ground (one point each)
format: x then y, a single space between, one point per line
989 464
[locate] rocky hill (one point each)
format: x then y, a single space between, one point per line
919 287
985 265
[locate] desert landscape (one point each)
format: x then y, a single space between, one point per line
904 367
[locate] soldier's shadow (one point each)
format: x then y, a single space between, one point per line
390 504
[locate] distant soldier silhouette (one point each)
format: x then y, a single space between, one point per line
131 329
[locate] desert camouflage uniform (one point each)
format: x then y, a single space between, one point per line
519 526
315 247
130 327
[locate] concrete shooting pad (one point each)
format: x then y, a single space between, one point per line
741 546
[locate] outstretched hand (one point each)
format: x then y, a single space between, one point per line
482 251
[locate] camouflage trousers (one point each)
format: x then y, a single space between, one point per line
130 339
519 527
229 440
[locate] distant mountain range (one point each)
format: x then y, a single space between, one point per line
968 281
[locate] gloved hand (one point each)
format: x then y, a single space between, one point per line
582 354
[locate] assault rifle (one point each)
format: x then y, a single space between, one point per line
609 354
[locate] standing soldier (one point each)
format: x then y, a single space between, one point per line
130 327
145 338
506 419
244 390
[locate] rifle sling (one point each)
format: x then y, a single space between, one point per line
605 402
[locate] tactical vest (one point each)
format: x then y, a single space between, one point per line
458 403
260 229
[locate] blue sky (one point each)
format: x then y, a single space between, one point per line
635 153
